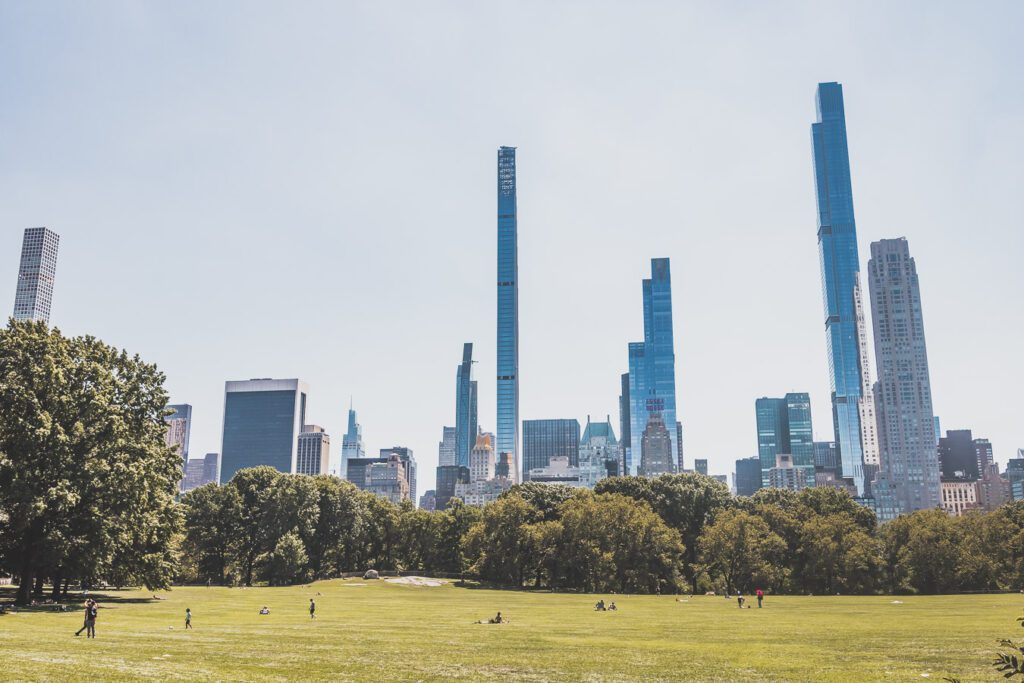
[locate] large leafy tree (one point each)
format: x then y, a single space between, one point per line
741 551
87 482
213 525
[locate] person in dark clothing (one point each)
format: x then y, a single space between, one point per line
188 618
85 619
312 609
90 619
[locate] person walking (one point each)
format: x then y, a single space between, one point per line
188 618
85 618
312 609
760 598
91 613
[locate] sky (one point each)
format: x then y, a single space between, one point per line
248 189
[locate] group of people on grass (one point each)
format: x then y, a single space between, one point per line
601 608
740 600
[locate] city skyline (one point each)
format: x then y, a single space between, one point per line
577 212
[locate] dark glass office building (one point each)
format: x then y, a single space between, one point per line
958 457
652 364
840 269
262 422
784 428
546 439
508 309
465 407
748 476
447 477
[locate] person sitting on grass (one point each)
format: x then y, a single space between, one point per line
265 610
498 619
612 607
599 606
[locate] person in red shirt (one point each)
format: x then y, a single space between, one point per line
760 597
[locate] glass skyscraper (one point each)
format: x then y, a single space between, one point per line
352 447
840 269
262 422
465 408
546 439
784 428
38 268
179 427
652 365
508 310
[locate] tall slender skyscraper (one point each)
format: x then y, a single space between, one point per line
652 364
910 458
508 310
840 268
465 408
351 442
34 293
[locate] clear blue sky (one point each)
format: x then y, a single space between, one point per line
307 190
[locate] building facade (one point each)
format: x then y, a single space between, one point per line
599 454
626 462
959 497
652 364
448 476
957 456
700 466
446 447
546 439
409 467
748 476
559 470
466 426
179 427
656 448
352 446
388 480
200 471
903 396
840 268
37 271
313 452
785 475
784 427
262 421
481 460
428 501
508 309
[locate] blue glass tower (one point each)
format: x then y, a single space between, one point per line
840 271
465 408
652 364
508 310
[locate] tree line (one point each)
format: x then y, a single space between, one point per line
88 495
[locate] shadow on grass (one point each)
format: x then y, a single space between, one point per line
71 602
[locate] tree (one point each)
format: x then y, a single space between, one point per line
686 503
502 548
257 532
286 563
839 556
740 550
339 524
546 499
213 524
921 550
452 526
87 482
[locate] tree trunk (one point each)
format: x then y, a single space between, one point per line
55 595
38 591
64 592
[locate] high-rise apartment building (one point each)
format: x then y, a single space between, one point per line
626 461
785 475
351 443
903 398
840 268
1015 475
656 448
508 309
446 447
388 479
179 427
313 452
481 460
748 476
262 421
466 426
700 466
784 427
600 452
652 364
34 293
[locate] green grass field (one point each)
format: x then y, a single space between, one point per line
376 631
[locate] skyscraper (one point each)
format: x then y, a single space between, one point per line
904 396
626 460
179 427
38 268
446 447
465 407
262 421
656 448
508 309
784 428
652 364
313 454
748 476
405 455
957 456
840 268
546 439
351 443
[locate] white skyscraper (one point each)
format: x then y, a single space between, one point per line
38 268
313 451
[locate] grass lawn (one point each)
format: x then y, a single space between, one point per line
376 631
